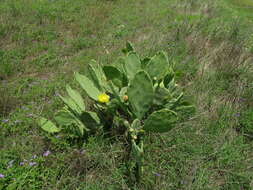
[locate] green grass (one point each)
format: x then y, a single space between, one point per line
244 7
246 3
43 42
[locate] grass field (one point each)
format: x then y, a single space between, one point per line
246 3
42 42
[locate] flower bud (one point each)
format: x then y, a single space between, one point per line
125 98
131 130
134 137
142 131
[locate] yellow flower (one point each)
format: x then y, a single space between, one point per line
103 98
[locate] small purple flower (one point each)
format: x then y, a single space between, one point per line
157 174
47 153
32 163
5 120
237 114
23 163
242 99
83 152
2 175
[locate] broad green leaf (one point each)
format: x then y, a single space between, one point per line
113 74
168 78
91 120
132 65
123 91
119 63
76 97
100 75
64 118
161 121
172 87
157 67
145 62
122 94
47 125
114 90
161 96
95 75
88 86
141 94
81 127
136 124
173 103
185 111
71 104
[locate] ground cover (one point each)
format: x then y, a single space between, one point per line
43 42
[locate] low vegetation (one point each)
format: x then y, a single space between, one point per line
209 44
129 98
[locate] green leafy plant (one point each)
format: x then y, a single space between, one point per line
134 95
72 117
